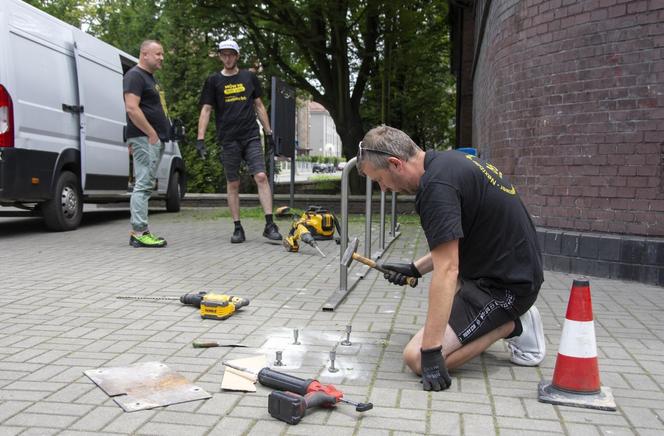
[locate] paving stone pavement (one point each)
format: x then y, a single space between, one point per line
60 316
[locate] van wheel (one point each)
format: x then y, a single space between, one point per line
173 194
65 211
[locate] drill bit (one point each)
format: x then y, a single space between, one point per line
360 407
319 250
136 297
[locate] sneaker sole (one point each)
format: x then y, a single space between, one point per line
139 245
539 337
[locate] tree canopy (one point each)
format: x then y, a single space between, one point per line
367 61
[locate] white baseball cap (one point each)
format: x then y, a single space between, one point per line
229 44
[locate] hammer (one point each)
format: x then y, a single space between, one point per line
350 254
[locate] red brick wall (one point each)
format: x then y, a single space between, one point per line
569 101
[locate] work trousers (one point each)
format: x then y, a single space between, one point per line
146 161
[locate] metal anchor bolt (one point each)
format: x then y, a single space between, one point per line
333 356
278 362
347 341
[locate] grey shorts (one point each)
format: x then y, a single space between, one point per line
234 152
480 307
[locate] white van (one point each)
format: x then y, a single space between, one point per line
62 121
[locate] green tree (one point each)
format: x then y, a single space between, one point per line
413 88
191 57
326 48
75 12
366 61
126 23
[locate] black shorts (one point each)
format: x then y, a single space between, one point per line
234 152
479 308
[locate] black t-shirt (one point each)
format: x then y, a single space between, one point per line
232 98
462 197
139 82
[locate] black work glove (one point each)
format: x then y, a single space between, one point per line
434 372
399 271
201 149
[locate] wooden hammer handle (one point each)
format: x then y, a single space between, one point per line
368 262
412 281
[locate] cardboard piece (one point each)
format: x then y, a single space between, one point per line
235 380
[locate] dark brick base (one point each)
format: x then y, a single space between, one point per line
603 255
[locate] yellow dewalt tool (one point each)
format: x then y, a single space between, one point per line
299 232
315 224
214 306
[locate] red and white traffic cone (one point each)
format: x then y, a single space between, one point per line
576 374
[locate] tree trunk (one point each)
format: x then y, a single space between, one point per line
351 133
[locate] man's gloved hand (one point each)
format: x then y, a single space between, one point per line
434 372
201 149
399 271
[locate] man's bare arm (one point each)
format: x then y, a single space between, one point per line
259 107
137 117
445 258
203 120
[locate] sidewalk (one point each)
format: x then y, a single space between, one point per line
60 317
302 176
285 176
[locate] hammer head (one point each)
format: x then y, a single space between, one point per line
347 258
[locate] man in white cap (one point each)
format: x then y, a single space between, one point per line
235 96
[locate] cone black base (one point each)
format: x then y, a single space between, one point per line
603 400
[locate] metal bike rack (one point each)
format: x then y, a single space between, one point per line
340 294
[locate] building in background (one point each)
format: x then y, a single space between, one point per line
566 98
316 132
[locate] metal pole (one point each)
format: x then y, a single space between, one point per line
291 202
367 219
381 236
340 294
273 121
271 178
343 269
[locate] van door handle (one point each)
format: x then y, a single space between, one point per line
72 108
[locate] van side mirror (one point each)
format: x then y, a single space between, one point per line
177 130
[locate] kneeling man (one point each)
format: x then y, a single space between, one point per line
484 255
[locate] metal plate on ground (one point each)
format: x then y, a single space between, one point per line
145 386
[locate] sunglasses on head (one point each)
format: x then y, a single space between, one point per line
363 149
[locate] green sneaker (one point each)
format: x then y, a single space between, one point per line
146 239
158 238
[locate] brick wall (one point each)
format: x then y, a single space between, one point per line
568 99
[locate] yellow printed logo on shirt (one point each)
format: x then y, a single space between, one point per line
493 174
234 88
162 97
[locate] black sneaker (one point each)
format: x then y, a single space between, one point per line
238 236
271 232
